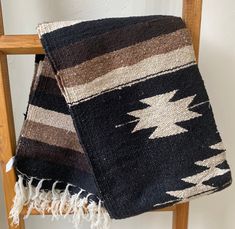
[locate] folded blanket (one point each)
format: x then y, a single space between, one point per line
118 122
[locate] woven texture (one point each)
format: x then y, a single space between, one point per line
48 140
118 108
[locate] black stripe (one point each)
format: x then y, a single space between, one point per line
80 51
77 32
58 155
45 169
48 85
50 102
39 57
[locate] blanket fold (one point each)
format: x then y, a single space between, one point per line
118 122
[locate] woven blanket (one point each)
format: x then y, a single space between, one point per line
118 122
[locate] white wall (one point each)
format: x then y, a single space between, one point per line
217 64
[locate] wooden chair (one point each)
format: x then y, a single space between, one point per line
30 44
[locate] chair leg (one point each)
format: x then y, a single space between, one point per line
21 224
180 216
7 132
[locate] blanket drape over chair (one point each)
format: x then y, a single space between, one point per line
118 122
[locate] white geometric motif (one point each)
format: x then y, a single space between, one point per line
206 175
163 114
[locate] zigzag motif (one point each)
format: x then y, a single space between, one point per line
201 177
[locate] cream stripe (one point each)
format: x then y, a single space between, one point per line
137 81
52 26
124 76
50 118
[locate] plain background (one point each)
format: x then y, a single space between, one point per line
217 64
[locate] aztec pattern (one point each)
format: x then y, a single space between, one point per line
138 131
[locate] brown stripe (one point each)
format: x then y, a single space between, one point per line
51 136
76 53
148 68
96 67
46 69
58 155
43 68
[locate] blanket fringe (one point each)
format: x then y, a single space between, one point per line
58 203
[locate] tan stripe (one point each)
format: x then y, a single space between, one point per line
51 135
46 69
50 118
37 73
124 76
101 65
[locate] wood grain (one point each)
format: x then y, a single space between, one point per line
7 133
20 44
192 10
180 216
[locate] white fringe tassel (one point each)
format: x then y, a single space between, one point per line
58 204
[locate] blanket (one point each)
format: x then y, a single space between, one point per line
118 122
